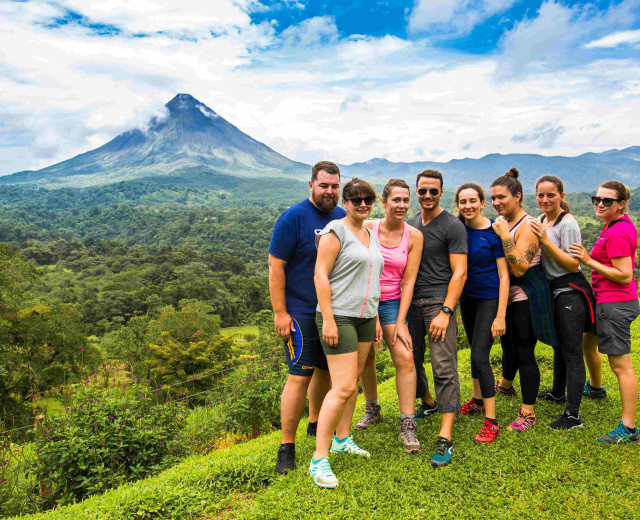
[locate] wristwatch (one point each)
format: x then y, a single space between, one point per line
447 310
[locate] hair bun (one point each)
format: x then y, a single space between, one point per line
513 172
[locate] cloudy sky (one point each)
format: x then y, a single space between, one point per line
405 80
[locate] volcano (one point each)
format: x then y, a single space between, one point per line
192 141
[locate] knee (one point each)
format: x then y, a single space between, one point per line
405 362
298 382
344 391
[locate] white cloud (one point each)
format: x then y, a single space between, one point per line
310 32
453 17
614 40
145 16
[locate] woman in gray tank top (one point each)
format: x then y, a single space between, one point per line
347 279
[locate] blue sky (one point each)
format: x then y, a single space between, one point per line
404 80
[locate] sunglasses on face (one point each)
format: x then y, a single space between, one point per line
606 201
368 200
432 191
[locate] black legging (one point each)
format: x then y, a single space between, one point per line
569 315
477 317
518 351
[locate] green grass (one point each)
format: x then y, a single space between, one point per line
539 474
240 333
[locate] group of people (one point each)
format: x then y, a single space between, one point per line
340 282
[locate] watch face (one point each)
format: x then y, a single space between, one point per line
447 310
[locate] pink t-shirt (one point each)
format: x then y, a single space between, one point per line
617 240
395 262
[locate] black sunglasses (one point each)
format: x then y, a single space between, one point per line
432 191
606 201
368 200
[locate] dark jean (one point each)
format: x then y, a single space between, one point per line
443 354
569 315
477 317
518 351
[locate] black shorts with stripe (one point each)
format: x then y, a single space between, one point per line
303 350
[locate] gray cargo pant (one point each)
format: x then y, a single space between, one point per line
443 354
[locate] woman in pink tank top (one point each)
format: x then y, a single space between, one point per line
402 250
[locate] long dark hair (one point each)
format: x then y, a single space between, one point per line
510 181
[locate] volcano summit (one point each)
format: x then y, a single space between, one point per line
192 141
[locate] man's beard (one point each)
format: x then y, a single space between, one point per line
325 202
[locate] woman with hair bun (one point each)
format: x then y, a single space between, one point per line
401 247
573 300
529 311
612 259
347 280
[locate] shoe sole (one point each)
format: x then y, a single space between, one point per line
365 426
435 464
566 429
325 486
367 456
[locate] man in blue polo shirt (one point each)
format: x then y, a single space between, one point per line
292 260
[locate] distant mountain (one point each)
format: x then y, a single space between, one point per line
193 139
195 146
582 173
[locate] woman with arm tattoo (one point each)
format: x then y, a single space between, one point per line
527 315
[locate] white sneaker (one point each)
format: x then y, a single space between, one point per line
347 446
322 474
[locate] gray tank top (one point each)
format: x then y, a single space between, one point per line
355 277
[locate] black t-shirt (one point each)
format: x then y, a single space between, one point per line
443 236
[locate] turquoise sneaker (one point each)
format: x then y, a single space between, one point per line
620 435
347 446
321 473
443 452
593 393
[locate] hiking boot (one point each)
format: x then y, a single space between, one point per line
425 410
620 435
286 458
567 421
488 432
525 421
511 391
407 435
321 473
347 446
312 429
471 408
547 395
443 452
371 416
593 393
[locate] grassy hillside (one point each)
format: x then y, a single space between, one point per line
538 474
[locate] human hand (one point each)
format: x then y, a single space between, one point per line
438 327
330 333
284 325
579 253
501 227
540 231
378 337
401 333
498 327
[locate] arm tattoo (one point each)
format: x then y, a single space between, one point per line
531 252
508 245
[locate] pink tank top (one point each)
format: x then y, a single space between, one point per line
517 294
395 261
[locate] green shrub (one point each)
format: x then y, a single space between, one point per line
105 438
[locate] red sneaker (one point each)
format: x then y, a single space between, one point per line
471 408
488 433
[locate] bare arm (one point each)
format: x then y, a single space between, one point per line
565 260
498 326
621 272
328 249
416 240
519 253
439 324
277 281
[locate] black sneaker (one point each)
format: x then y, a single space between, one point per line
593 393
286 458
425 410
548 396
566 422
312 429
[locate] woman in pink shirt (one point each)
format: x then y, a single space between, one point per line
612 259
402 250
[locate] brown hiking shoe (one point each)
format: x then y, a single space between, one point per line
407 435
511 391
371 415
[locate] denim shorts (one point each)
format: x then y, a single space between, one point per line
388 311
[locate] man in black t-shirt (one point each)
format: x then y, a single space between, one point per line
441 277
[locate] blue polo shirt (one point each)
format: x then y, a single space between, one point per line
482 271
294 241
